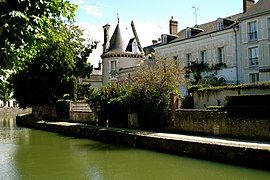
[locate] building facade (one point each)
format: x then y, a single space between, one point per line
224 41
205 43
254 48
117 61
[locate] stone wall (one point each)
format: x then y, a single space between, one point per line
218 123
205 99
12 111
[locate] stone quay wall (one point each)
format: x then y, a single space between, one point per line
218 123
12 111
210 150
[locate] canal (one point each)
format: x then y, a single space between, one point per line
34 154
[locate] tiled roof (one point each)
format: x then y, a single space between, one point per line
261 6
207 28
116 42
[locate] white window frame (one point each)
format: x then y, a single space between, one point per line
113 66
254 77
221 54
253 56
252 31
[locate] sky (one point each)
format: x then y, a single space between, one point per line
151 17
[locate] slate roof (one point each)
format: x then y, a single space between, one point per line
116 42
262 6
207 28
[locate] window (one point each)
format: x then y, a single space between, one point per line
221 57
268 28
113 66
203 57
188 33
252 31
220 25
253 56
254 77
189 59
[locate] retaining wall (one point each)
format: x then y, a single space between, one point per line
218 123
12 111
217 150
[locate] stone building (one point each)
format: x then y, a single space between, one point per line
254 51
118 61
213 43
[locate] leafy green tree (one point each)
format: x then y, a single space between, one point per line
46 78
4 92
24 25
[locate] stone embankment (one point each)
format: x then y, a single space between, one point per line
245 153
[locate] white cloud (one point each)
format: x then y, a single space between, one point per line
93 10
78 2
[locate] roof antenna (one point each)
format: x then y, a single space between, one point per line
118 17
196 14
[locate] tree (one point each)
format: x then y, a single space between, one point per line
46 78
146 93
4 92
24 25
197 70
151 92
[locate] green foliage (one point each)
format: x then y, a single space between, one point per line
110 102
148 95
5 92
24 26
264 85
73 88
197 69
83 90
62 109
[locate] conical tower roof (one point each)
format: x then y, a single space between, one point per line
116 42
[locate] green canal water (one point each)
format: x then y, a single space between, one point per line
33 154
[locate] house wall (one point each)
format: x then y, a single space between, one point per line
210 43
262 42
203 100
122 63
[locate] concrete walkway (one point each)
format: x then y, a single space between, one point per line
196 139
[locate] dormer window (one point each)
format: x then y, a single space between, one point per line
188 33
191 32
220 24
224 23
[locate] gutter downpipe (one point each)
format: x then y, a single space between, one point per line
236 54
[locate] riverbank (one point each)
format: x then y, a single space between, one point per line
244 153
13 111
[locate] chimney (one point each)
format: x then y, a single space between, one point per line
173 27
247 4
154 42
106 44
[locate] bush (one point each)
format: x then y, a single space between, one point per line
148 95
110 103
62 109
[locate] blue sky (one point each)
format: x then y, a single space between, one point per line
151 17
